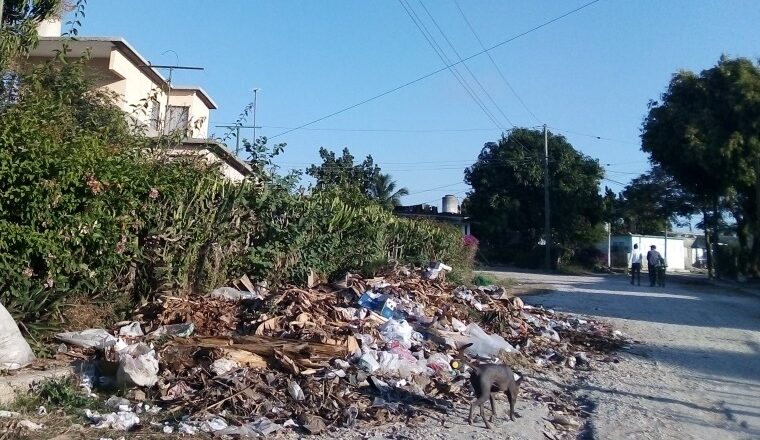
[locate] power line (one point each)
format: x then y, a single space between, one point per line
622 172
501 74
615 182
488 95
435 72
387 130
437 187
446 61
438 199
601 138
626 163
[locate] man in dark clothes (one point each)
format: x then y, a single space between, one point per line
653 262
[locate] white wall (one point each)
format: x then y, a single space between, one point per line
675 254
199 113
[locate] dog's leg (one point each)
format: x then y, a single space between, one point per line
512 395
472 407
493 408
483 415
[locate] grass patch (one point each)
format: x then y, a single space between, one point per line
63 394
482 279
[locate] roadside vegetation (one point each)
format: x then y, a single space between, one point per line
95 217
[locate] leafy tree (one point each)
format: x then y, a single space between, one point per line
705 133
384 190
341 172
18 28
652 200
507 197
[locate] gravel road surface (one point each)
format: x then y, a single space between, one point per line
695 373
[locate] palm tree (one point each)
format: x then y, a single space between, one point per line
384 190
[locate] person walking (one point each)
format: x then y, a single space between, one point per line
653 264
636 259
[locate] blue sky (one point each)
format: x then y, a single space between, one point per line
589 74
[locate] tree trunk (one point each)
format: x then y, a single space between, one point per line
716 236
708 244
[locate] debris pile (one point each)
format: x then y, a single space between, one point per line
250 362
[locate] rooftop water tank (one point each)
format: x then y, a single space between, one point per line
450 204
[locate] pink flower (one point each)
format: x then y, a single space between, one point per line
28 272
470 241
153 194
49 283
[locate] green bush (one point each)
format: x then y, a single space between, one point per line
89 208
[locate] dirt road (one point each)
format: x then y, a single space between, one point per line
695 373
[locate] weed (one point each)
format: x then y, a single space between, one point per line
61 394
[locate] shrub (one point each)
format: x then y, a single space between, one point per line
90 209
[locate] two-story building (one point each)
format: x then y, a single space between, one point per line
150 102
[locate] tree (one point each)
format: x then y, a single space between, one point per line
18 25
384 191
342 173
651 201
705 133
506 201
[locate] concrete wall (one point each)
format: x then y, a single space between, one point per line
134 87
623 244
226 169
199 113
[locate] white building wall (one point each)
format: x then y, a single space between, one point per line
675 254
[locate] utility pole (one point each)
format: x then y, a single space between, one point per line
608 226
666 242
255 94
547 208
237 128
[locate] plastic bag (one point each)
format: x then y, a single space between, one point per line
295 391
434 270
368 363
483 344
138 365
90 338
232 294
133 330
439 363
15 352
400 331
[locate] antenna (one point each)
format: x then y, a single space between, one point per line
171 69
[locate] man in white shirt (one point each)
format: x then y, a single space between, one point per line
636 259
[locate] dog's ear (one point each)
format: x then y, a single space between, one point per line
519 379
465 346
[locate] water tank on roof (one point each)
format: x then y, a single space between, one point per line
450 204
49 28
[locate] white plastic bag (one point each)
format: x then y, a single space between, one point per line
400 331
90 338
15 352
138 365
483 344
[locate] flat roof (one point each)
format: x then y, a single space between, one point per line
201 93
124 47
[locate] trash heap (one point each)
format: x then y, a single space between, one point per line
250 361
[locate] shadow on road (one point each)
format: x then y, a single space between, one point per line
677 304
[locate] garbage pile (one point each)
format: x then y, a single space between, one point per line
250 361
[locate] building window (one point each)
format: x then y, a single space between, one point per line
155 115
178 118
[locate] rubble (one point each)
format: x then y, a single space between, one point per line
359 351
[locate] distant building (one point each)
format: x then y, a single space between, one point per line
146 97
674 251
450 213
